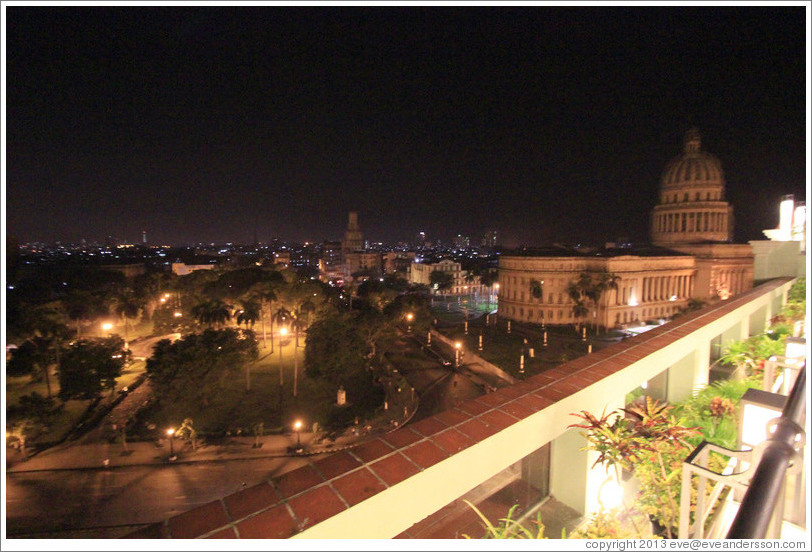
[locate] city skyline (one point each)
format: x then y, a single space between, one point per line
240 124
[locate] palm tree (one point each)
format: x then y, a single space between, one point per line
212 313
603 281
77 306
265 292
47 324
282 315
536 289
576 293
740 355
488 279
127 305
441 280
250 312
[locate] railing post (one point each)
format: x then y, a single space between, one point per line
685 505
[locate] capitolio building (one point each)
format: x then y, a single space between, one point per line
691 257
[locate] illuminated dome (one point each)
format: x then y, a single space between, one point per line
694 168
692 205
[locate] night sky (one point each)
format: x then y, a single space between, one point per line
545 123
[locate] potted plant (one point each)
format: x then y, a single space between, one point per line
649 442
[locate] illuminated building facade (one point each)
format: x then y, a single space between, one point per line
653 283
420 273
691 257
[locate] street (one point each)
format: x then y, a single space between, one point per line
113 502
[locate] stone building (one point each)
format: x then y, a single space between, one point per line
652 283
691 257
354 257
420 273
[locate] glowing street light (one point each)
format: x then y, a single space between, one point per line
297 425
409 317
457 346
171 433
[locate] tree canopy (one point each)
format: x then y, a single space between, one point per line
90 366
190 371
335 349
441 280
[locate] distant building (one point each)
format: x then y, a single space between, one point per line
398 261
330 260
182 269
354 256
129 270
692 257
282 259
461 241
420 273
694 218
489 239
362 261
353 239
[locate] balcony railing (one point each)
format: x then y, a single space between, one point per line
760 475
782 451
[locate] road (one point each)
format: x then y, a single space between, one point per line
113 502
109 503
440 387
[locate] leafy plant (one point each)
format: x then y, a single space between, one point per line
649 441
797 292
507 527
612 524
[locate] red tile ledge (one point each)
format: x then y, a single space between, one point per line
199 521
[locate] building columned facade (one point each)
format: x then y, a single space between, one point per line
420 273
692 257
650 285
692 206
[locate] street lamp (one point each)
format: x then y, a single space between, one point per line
106 327
457 346
297 425
409 317
171 433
